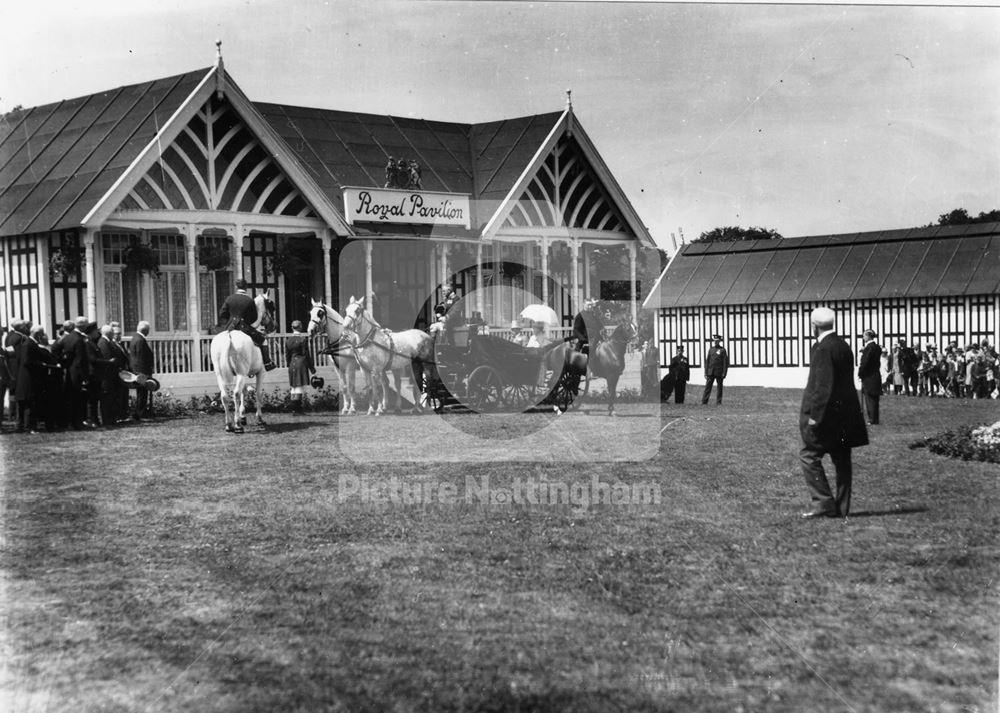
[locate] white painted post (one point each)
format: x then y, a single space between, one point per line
194 311
91 273
369 288
631 273
326 241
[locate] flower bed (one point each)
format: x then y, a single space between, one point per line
968 443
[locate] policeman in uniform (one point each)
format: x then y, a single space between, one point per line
240 312
716 368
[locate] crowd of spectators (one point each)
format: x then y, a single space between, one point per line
80 379
971 372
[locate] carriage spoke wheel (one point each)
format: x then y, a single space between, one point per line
485 389
564 389
518 396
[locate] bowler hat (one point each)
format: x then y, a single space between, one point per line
316 382
90 328
152 384
717 337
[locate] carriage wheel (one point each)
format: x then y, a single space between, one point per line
485 389
518 396
563 392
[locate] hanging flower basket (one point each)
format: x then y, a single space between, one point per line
561 261
214 258
512 269
141 258
66 261
283 261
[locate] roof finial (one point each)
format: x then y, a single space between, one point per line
220 71
569 98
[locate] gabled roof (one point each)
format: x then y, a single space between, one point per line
58 160
73 162
917 262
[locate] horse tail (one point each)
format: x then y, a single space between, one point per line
229 356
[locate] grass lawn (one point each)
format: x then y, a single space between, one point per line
172 567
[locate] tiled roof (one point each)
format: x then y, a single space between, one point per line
58 160
342 148
917 262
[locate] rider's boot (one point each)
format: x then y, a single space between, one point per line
265 354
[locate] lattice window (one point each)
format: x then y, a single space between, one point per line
894 316
169 249
737 335
713 322
953 321
807 331
170 302
867 314
983 318
923 321
787 330
113 247
689 334
762 319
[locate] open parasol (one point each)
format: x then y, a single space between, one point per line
540 313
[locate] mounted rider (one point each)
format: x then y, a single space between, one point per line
240 312
587 321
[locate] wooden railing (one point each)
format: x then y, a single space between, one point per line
173 355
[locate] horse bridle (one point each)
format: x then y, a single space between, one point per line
342 347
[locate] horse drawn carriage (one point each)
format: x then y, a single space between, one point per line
483 373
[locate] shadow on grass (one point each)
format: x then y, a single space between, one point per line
277 428
881 513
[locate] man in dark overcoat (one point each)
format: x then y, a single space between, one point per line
141 363
72 353
11 344
871 377
830 419
716 369
239 312
95 378
680 372
32 382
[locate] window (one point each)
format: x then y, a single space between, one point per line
689 334
953 321
894 321
713 322
982 318
113 247
737 335
762 321
924 316
170 302
786 317
867 315
215 277
170 250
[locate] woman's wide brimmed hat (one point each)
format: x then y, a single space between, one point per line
316 382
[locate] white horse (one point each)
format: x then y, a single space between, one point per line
235 359
380 350
325 317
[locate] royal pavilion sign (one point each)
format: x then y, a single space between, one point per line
389 205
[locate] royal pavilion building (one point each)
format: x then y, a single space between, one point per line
146 202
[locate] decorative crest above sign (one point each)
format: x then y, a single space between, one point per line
386 205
